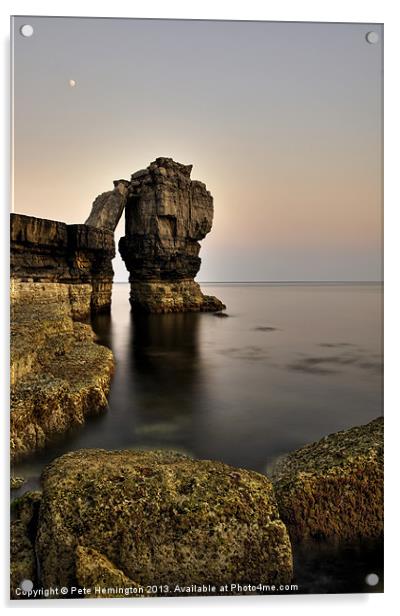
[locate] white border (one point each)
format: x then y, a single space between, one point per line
380 11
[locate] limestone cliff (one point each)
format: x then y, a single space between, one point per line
79 256
60 274
167 214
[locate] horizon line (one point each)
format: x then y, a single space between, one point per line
277 281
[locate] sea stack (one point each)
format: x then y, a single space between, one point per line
166 214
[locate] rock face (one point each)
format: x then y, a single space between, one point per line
167 214
158 518
334 488
107 208
47 251
59 375
60 274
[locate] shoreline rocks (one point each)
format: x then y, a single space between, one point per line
159 297
156 517
128 519
59 374
23 565
333 489
60 275
16 482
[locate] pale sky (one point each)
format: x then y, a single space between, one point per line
282 121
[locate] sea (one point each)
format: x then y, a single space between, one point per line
282 366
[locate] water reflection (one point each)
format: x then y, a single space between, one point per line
291 365
166 373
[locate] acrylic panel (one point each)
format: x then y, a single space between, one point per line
196 308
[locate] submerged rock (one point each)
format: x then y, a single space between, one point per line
167 214
158 518
334 488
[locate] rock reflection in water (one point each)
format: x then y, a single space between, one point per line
166 370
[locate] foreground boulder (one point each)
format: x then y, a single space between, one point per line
167 214
334 488
95 571
158 518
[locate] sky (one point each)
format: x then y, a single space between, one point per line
282 121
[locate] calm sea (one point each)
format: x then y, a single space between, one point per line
288 365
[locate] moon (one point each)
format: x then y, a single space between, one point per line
72 83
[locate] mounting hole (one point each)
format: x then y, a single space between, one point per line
372 579
372 37
26 585
26 30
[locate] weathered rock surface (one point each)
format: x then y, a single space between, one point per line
107 208
334 488
167 214
78 256
60 274
22 538
16 482
94 571
59 375
158 518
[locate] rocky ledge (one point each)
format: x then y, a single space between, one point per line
333 489
166 214
60 275
125 518
59 374
77 256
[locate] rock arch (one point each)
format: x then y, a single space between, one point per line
166 214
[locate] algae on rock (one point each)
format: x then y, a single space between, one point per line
59 375
22 537
96 573
159 518
60 275
334 488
